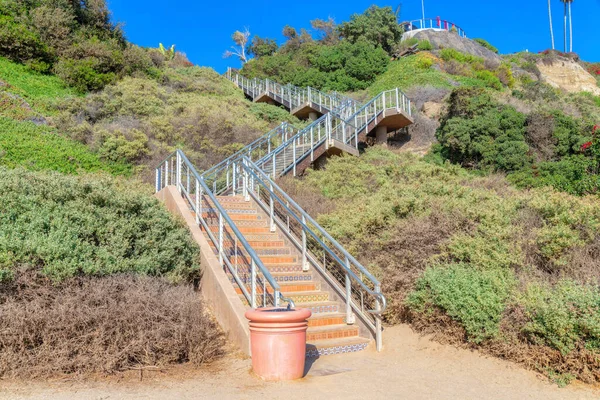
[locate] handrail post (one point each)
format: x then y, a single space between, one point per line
378 328
245 191
294 155
272 227
158 183
198 202
178 174
220 238
234 179
253 284
304 256
187 180
166 173
350 319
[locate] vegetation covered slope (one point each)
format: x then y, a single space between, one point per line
139 121
512 272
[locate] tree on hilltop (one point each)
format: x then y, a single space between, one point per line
378 25
239 50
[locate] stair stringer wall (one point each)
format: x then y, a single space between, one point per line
215 288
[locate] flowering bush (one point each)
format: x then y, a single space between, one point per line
592 149
594 69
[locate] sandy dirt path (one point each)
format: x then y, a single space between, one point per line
411 367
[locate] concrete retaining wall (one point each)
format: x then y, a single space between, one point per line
215 287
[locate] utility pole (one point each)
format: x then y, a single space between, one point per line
423 9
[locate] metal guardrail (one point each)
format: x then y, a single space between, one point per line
432 23
288 95
360 290
251 172
234 252
345 120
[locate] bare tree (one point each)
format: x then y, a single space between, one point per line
328 33
239 50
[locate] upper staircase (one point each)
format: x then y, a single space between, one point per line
272 251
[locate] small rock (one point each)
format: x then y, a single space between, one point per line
38 120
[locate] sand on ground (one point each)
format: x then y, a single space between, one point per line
410 367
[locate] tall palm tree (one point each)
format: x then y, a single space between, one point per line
565 23
567 6
551 29
570 27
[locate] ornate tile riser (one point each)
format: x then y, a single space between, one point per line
325 351
323 309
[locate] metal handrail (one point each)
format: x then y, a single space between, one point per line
284 129
248 170
432 23
292 210
201 188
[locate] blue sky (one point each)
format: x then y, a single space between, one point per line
202 29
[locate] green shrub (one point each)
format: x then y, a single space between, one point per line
344 66
563 316
474 298
480 133
448 54
21 44
490 79
65 226
83 74
377 25
425 45
486 44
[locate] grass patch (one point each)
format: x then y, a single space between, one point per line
42 92
41 148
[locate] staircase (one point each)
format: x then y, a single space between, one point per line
327 332
271 250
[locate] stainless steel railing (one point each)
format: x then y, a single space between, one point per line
251 172
345 120
360 290
234 252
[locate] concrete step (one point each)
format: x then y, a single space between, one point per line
327 319
245 229
320 307
293 287
316 296
234 216
331 332
284 268
276 260
282 277
319 348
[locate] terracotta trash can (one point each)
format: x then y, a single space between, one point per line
278 342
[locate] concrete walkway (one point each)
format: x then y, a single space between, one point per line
411 367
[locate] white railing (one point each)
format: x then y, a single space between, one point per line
352 282
345 121
251 172
433 23
234 252
290 96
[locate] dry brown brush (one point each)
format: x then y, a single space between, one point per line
101 325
